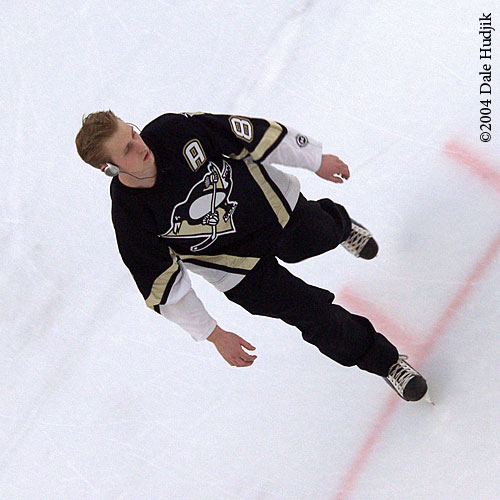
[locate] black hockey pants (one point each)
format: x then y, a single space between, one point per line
271 290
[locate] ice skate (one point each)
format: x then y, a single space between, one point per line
407 382
360 242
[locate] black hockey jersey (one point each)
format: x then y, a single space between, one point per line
217 206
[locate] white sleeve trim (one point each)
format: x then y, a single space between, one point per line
190 314
297 150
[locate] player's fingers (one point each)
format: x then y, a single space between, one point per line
245 362
248 358
236 362
245 357
343 169
345 172
247 345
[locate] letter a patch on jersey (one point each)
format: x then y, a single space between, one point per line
194 154
207 212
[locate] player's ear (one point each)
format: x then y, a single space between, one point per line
110 169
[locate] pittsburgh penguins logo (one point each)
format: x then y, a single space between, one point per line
207 212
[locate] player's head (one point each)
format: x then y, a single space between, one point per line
104 138
97 128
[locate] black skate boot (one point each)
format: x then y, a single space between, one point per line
406 381
360 242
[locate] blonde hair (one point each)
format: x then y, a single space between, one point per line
96 128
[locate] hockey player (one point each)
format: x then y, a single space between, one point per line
199 192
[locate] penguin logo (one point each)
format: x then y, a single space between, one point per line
207 212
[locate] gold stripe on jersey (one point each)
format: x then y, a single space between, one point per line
244 153
228 261
271 196
269 138
161 282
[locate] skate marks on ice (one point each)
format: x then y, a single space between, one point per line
421 353
413 341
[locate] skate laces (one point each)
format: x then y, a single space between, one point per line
400 374
357 239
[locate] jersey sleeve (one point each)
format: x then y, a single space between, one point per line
297 150
265 141
162 279
190 314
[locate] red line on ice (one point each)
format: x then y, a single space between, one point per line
492 176
453 308
381 321
473 163
461 296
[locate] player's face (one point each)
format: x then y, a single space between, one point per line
127 149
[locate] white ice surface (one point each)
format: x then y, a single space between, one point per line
101 399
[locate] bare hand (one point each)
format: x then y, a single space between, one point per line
230 347
333 169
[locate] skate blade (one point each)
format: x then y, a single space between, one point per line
427 398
